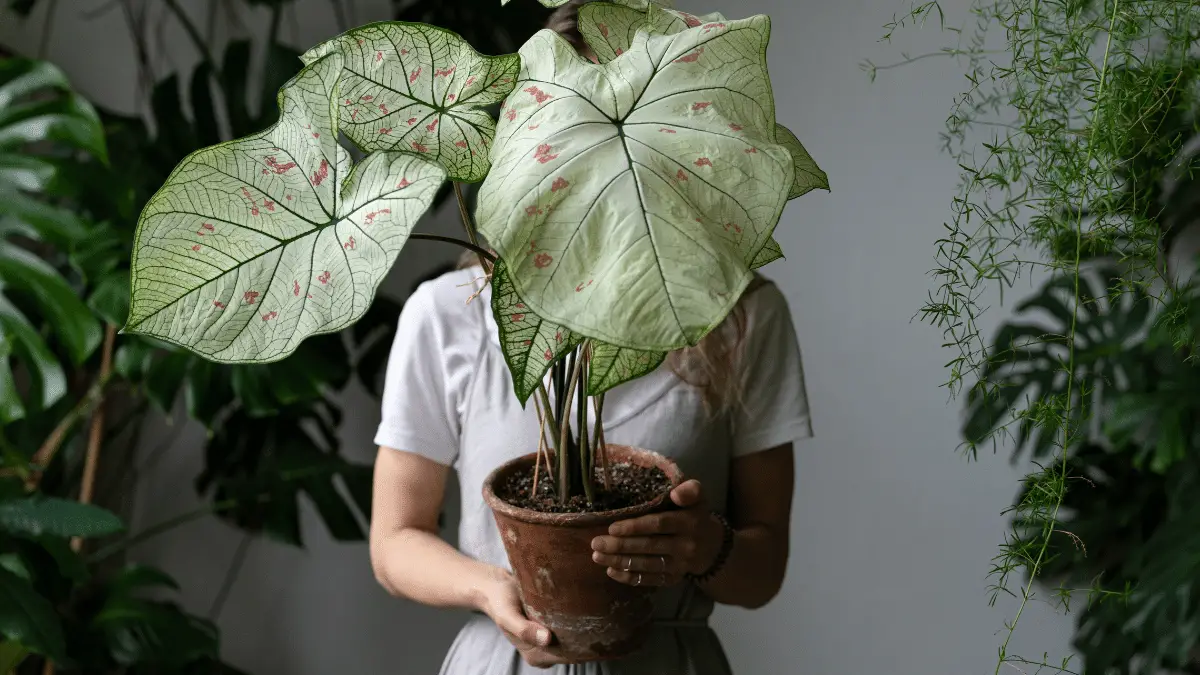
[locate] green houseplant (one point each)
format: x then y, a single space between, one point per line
1077 143
254 245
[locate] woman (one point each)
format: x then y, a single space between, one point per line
727 411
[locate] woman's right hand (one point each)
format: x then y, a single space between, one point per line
502 603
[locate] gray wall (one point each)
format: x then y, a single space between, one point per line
893 530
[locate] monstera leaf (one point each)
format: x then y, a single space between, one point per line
420 88
530 343
255 244
630 199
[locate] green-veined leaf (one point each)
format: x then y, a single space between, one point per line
71 319
769 253
28 618
253 245
110 297
419 88
530 344
611 365
809 176
39 515
629 199
610 28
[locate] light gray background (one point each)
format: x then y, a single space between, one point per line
893 531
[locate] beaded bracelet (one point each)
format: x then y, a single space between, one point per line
722 554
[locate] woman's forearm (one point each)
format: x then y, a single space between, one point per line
420 566
754 571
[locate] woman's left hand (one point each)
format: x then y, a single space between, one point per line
660 549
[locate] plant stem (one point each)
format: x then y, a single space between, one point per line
586 460
564 469
194 35
231 575
165 526
47 26
46 452
469 226
1048 529
601 449
96 433
484 254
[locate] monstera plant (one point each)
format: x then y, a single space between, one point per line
653 170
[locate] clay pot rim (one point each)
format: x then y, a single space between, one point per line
585 519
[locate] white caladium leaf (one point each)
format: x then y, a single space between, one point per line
255 244
611 366
809 176
629 199
609 28
419 88
769 254
530 343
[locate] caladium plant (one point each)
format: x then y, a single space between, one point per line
627 195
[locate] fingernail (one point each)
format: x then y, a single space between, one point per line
596 544
596 557
543 636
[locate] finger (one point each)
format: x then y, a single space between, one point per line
666 523
638 564
657 545
635 579
687 494
521 631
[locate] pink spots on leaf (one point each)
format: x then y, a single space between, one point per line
558 337
461 144
542 260
321 173
692 57
419 148
527 343
594 59
520 306
378 56
385 130
404 183
432 126
583 285
323 278
383 108
415 74
268 204
350 244
751 151
289 198
736 228
735 127
403 52
533 210
249 297
295 287
548 355
620 51
452 97
511 114
533 126
664 130
370 219
532 245
195 247
543 153
270 315
710 27
445 72
366 97
703 162
560 183
701 105
348 102
410 121
353 114
517 318
603 29
218 304
205 226
690 20
681 176
470 81
279 168
538 94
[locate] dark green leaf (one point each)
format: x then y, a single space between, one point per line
28 618
154 635
11 656
12 562
135 577
47 381
56 516
70 564
133 358
69 120
174 131
72 321
110 298
207 390
165 378
54 225
234 70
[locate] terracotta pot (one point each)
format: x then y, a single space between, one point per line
593 617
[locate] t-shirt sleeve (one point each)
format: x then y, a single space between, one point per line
774 405
424 381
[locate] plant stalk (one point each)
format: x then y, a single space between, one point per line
564 454
198 40
586 460
96 433
46 452
469 226
600 449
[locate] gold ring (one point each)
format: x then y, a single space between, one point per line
628 563
663 559
639 581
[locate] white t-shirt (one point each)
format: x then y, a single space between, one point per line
448 397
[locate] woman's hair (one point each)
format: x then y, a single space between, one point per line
710 365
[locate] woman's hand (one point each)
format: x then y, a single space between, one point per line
660 549
502 603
